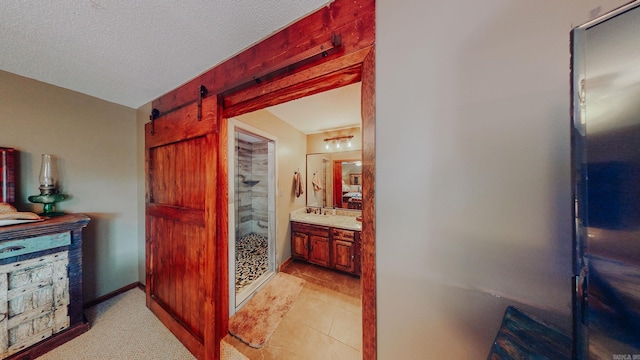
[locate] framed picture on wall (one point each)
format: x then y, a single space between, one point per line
356 179
7 175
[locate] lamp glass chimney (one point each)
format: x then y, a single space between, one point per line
48 174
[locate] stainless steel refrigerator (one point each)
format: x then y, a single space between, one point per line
606 177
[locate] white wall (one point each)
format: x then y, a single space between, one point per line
94 141
473 111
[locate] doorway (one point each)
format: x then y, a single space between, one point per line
334 74
252 211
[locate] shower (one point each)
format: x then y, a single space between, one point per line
252 207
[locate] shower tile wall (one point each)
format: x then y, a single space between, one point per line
251 200
259 192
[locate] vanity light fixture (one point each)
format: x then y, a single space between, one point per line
337 140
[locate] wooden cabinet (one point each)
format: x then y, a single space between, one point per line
40 285
344 250
319 250
300 245
330 247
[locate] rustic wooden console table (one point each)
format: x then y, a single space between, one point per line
41 285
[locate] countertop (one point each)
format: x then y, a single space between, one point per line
348 222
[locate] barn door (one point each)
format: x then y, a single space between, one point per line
181 175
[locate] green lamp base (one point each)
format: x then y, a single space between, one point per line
48 201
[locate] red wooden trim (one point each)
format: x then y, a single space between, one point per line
222 248
319 70
368 234
353 19
259 100
213 299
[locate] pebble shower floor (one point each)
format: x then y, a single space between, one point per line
251 259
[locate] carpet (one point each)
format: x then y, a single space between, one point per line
260 316
123 328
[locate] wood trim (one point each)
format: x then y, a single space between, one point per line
353 19
103 298
214 295
368 234
328 67
309 87
222 234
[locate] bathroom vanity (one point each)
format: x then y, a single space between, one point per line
328 240
40 285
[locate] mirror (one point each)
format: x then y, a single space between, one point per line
334 180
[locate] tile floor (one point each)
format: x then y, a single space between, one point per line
324 322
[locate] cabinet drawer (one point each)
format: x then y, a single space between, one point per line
342 234
25 246
310 229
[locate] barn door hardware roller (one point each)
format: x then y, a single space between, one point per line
336 41
201 94
155 113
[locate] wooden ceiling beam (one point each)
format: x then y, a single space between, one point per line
352 20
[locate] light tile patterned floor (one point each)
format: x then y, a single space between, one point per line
325 321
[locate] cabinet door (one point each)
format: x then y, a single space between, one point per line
344 255
319 250
300 245
34 298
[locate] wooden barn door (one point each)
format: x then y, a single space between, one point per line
181 173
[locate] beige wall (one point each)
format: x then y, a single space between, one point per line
473 110
142 117
94 141
290 156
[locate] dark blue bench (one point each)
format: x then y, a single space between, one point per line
521 336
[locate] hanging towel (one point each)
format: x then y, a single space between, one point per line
316 183
298 184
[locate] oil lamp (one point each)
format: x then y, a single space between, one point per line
48 187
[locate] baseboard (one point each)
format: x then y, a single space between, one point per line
285 263
112 294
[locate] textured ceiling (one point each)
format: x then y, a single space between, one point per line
131 52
